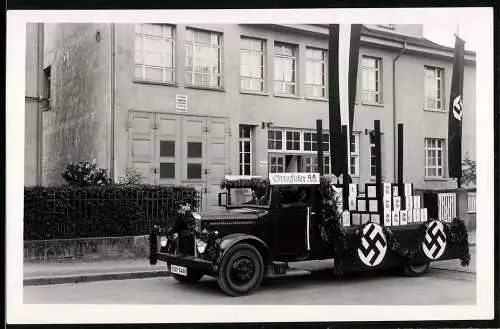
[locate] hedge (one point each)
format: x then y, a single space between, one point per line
101 211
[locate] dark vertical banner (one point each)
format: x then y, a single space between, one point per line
343 54
455 115
355 40
334 100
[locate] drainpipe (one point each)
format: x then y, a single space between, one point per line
39 114
394 121
113 92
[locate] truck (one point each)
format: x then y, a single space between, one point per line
265 225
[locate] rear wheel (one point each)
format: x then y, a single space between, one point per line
416 269
241 271
192 277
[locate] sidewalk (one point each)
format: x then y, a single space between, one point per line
56 273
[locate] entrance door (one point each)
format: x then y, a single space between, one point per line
290 229
183 150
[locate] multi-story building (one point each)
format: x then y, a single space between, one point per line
187 104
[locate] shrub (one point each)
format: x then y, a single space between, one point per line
132 177
100 211
86 173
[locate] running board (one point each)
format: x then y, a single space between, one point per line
280 269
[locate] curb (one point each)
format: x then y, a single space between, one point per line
93 277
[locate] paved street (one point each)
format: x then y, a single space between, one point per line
439 286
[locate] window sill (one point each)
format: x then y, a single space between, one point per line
372 104
205 88
159 83
250 92
435 111
287 96
435 179
320 99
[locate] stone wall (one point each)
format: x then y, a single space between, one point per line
88 249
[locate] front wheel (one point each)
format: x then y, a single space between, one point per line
192 277
416 269
241 271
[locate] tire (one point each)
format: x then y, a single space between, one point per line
416 269
192 277
241 270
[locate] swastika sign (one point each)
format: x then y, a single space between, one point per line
373 245
434 243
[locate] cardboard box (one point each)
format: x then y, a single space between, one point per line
387 204
346 218
387 218
408 189
361 204
408 202
395 218
395 190
353 190
403 217
375 218
418 215
355 218
409 216
416 202
396 203
371 190
365 218
387 190
372 205
423 217
353 206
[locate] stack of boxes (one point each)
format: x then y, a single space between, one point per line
397 208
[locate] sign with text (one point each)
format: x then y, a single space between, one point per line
294 178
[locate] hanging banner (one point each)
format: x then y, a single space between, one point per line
455 114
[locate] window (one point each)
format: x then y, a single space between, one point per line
373 156
284 69
354 156
310 163
277 164
245 150
434 157
433 89
154 53
47 80
252 64
371 80
316 72
203 58
194 159
167 159
274 140
293 140
310 142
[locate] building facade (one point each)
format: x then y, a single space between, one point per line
188 104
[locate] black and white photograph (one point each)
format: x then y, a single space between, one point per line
241 165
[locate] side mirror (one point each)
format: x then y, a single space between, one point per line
222 203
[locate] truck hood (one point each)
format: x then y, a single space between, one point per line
237 213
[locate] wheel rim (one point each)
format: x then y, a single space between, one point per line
419 267
242 271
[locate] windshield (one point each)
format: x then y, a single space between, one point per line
249 197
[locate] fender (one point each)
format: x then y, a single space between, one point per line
232 239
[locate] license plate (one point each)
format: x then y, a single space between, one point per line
181 270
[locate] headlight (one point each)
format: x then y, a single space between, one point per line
163 241
201 246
